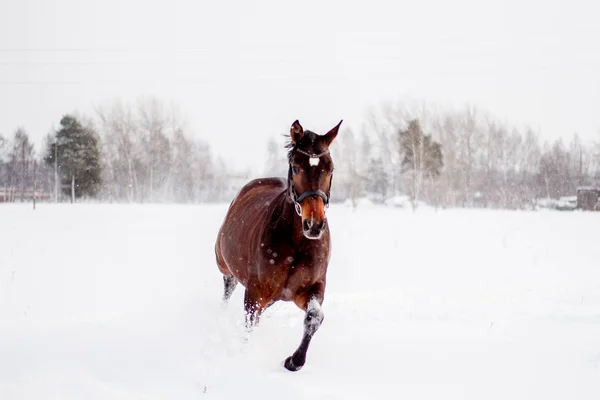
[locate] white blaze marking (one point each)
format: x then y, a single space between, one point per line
313 161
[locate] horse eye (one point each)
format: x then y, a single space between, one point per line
296 169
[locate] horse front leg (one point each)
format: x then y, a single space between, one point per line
312 321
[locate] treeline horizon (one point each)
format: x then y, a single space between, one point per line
144 152
485 161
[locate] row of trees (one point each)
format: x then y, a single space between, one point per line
148 156
127 153
141 153
457 158
16 166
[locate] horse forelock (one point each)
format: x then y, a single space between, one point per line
309 142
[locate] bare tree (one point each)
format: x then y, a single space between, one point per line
149 155
4 175
348 181
120 143
276 163
470 139
20 162
154 123
422 158
3 149
554 170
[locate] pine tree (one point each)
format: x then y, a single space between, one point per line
78 154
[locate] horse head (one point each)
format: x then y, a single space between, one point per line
310 175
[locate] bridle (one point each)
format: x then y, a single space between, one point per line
298 199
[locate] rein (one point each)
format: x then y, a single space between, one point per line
298 199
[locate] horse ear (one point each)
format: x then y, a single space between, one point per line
296 132
329 136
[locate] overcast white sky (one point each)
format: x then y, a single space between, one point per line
242 71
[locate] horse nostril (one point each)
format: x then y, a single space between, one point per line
319 226
307 224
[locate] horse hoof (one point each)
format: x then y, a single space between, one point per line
290 366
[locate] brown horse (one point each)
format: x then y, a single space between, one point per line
275 237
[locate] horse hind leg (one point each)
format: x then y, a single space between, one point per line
229 283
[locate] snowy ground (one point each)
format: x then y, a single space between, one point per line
123 302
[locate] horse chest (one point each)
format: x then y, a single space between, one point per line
290 273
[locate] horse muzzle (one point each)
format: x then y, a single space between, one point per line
313 229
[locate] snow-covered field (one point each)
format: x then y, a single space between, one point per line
123 302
